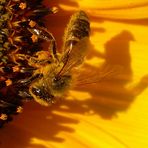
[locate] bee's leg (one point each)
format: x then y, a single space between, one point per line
52 49
41 33
27 70
13 69
44 34
4 81
25 94
27 81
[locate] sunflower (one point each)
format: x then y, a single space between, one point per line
111 113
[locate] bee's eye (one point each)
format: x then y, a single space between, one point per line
36 91
42 94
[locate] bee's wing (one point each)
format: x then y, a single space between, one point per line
91 75
76 39
74 54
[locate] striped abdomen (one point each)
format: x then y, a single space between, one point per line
77 28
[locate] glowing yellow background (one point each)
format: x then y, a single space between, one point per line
107 115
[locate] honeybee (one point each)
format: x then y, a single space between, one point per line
54 74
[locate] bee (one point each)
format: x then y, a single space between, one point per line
53 76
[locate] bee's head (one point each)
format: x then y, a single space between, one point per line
47 90
41 95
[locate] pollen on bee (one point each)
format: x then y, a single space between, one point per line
8 82
22 6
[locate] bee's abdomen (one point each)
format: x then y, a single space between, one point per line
78 28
